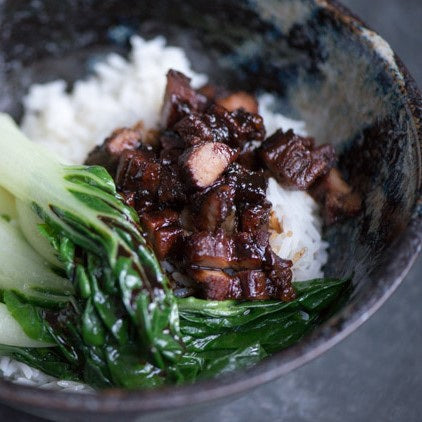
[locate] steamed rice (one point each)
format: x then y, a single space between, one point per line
122 92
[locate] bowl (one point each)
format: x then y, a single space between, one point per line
326 67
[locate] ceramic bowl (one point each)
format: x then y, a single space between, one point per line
326 67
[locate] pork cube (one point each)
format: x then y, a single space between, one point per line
108 154
180 99
294 160
203 164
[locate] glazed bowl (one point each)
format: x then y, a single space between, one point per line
325 67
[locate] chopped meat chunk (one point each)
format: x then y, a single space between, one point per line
242 126
230 100
249 157
211 250
167 241
255 217
220 250
250 186
196 128
294 160
171 190
216 207
239 100
338 198
203 164
219 125
139 172
108 154
212 92
248 253
216 284
154 220
279 283
171 140
180 99
163 231
254 284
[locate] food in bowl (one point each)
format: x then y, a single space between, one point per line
190 243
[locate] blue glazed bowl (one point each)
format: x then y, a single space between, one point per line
327 68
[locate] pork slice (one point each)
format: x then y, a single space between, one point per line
154 220
172 190
211 250
249 157
217 209
238 100
203 164
294 160
254 284
180 99
167 241
216 284
242 126
248 252
138 172
196 128
279 282
250 185
255 217
108 154
337 197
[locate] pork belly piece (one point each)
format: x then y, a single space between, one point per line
167 241
217 210
163 231
211 250
212 92
279 282
249 157
154 220
219 125
216 284
254 284
223 251
250 185
248 253
203 164
196 128
239 100
108 154
337 197
255 217
171 190
180 99
295 161
172 146
138 172
230 100
242 126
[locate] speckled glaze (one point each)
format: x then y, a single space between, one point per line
327 68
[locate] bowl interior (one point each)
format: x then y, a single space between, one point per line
325 68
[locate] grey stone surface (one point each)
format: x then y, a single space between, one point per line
376 373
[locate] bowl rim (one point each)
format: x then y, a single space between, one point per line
406 250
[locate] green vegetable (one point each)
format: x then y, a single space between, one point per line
7 205
219 334
96 240
25 272
12 334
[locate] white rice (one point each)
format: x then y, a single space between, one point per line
122 92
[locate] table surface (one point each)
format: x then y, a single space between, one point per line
375 374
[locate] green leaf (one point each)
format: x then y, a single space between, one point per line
29 317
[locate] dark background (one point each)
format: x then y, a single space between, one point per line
376 373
